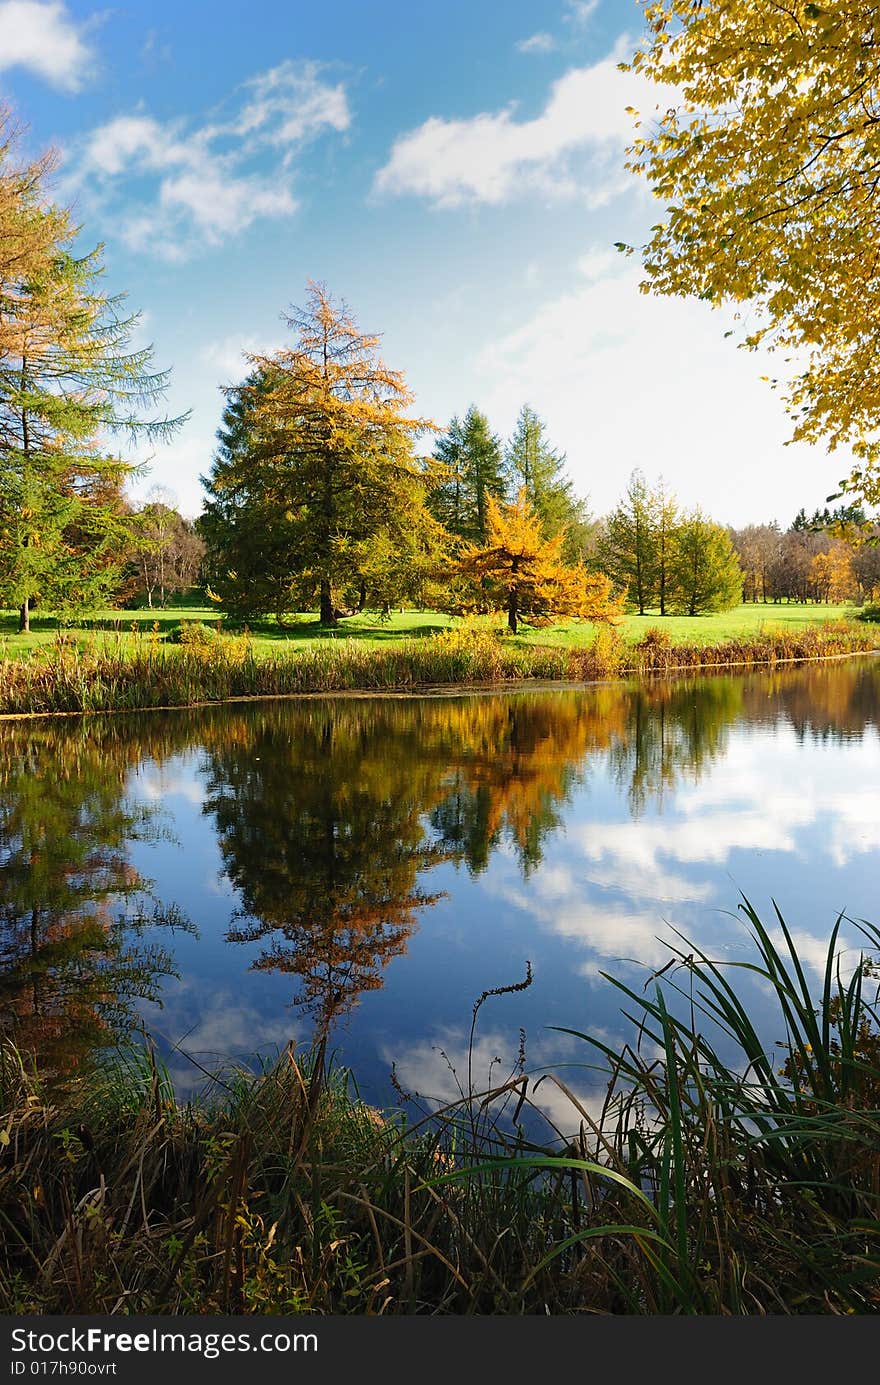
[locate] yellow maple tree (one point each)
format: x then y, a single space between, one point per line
520 572
766 162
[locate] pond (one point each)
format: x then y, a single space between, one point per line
231 878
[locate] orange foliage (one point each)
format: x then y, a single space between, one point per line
522 573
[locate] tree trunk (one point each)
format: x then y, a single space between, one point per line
24 617
362 597
328 616
511 610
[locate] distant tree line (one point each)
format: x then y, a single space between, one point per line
830 556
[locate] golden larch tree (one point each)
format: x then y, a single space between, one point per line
520 572
316 468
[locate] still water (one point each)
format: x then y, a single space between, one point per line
231 878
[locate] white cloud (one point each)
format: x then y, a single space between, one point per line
565 905
226 1031
203 183
290 102
437 1069
537 43
220 205
598 264
41 36
493 156
580 12
178 465
855 824
629 379
133 140
175 778
228 355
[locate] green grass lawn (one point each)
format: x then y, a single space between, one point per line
108 625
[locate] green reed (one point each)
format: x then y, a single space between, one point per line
142 672
701 1184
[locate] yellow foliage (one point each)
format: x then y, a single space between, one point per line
522 573
832 574
764 153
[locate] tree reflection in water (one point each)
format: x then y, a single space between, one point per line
72 907
333 817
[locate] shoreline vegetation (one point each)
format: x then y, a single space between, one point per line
689 1182
204 665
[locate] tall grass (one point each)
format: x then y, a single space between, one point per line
701 1185
208 667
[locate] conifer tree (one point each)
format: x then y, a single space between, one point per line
540 470
520 572
68 378
628 546
665 528
449 501
484 468
706 573
316 463
470 470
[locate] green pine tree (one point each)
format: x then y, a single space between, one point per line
627 549
538 468
706 574
484 472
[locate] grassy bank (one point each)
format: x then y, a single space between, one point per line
207 666
127 628
693 1185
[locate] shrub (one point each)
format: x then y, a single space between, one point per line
195 634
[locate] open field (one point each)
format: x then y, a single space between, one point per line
267 636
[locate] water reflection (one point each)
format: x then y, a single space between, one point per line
318 816
342 827
72 907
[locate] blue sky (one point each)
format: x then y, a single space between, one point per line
454 171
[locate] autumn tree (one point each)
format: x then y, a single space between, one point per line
68 378
315 465
832 575
866 563
520 572
706 575
30 228
73 965
320 821
789 572
757 546
764 154
166 550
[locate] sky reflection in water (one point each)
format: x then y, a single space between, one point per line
375 864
